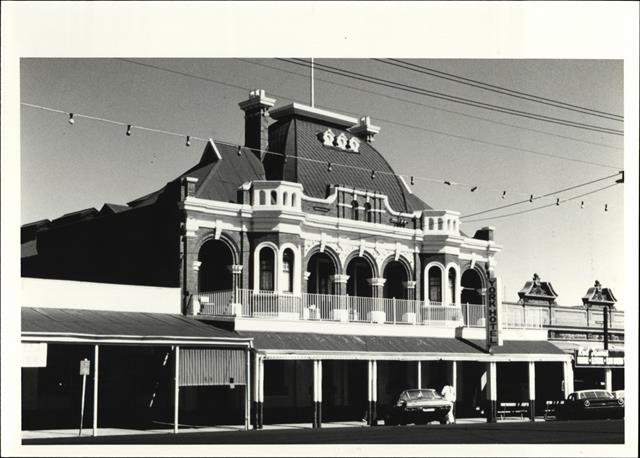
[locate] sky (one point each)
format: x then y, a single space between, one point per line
66 168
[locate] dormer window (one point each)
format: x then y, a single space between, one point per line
328 137
341 141
354 144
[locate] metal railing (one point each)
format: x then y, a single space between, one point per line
331 307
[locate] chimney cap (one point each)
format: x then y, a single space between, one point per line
257 99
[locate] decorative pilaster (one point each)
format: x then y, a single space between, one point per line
377 314
236 283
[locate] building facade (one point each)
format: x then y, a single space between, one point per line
305 242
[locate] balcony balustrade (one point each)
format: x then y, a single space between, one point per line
354 309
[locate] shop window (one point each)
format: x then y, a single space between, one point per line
267 259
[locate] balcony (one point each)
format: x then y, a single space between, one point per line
353 309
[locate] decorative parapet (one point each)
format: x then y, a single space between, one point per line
437 222
275 195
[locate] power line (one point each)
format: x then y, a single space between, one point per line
532 198
558 202
452 98
461 137
432 107
499 89
72 116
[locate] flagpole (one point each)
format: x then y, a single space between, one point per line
312 97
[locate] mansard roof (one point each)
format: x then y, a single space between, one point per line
300 139
220 172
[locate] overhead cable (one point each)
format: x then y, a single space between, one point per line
499 89
456 99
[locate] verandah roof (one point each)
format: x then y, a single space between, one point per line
338 345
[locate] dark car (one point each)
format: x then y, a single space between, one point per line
591 404
417 406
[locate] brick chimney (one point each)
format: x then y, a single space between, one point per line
256 120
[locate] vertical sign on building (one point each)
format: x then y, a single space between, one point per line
494 318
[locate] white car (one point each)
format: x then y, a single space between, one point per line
619 394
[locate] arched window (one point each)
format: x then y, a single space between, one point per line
285 198
448 224
293 200
435 284
452 286
355 208
440 224
430 224
274 197
368 213
267 262
263 197
287 271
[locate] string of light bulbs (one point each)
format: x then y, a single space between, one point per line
130 128
556 204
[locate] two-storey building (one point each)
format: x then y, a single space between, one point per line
304 240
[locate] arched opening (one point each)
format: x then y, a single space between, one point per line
293 200
287 270
471 287
263 197
320 268
215 274
359 271
285 198
274 197
396 276
440 223
435 284
430 224
452 285
355 209
267 269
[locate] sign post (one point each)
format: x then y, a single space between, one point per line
85 368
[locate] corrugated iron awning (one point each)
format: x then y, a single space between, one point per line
345 346
73 325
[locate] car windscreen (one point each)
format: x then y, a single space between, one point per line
414 395
601 394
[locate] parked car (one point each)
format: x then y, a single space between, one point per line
417 406
591 404
619 394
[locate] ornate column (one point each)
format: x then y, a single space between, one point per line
317 394
236 283
410 286
377 314
339 284
194 307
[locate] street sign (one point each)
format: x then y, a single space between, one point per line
85 367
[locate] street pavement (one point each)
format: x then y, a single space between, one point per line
464 432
